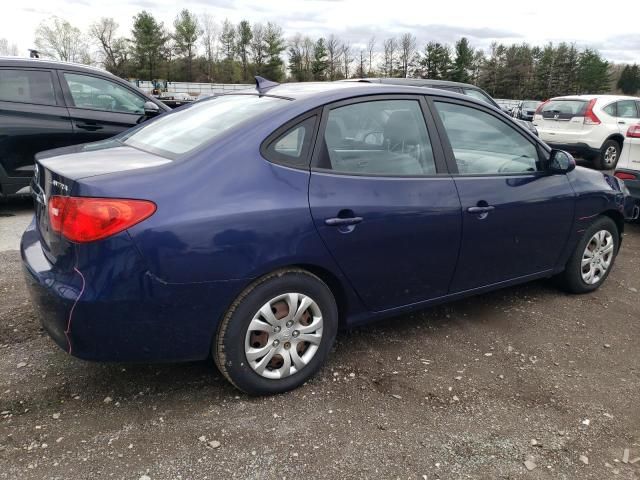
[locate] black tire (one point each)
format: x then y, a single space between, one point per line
571 279
229 344
603 161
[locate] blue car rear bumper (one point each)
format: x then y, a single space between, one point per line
150 320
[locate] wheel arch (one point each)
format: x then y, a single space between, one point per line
617 137
337 287
618 218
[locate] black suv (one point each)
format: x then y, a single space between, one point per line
47 104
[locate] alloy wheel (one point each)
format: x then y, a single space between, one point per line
597 257
284 335
610 155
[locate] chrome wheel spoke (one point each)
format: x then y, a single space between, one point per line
304 305
258 325
254 354
262 364
313 338
292 303
268 315
295 357
315 324
285 369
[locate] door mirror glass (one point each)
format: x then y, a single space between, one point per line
561 161
151 109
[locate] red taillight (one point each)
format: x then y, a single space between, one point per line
87 219
590 117
625 176
634 131
539 109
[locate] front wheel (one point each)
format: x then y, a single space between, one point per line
277 333
593 258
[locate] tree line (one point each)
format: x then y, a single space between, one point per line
198 48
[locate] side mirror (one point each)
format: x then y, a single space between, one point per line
151 109
561 161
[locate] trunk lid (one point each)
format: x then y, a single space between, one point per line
59 171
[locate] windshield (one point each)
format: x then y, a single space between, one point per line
185 130
530 105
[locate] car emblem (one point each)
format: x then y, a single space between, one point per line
556 116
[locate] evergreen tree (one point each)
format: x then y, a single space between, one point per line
319 65
244 36
463 63
149 39
275 45
187 31
629 81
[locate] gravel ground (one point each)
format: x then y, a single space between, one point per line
481 388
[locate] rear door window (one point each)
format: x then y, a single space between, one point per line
564 109
627 109
27 86
378 137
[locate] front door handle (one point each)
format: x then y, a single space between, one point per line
341 222
89 126
476 210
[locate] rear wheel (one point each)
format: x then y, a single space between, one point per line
609 155
593 258
277 333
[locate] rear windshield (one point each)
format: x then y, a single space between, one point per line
184 130
564 108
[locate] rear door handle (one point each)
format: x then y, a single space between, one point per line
622 123
340 222
89 126
476 210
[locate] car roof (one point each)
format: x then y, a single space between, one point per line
46 63
324 92
418 82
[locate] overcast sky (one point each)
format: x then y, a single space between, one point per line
615 33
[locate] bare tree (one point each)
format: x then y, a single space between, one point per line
361 71
257 47
371 45
113 50
390 47
8 49
347 58
59 39
209 40
333 55
407 51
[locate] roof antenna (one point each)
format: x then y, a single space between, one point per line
34 53
262 84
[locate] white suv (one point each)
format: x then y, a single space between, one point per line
589 126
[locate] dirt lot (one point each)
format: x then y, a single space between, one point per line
468 390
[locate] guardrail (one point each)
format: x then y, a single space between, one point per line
194 89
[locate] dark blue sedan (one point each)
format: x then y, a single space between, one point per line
251 226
